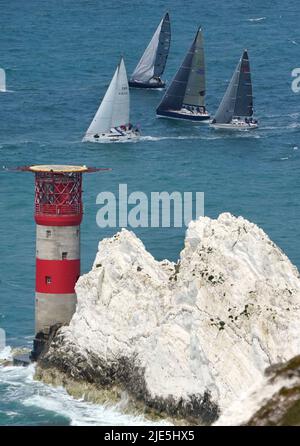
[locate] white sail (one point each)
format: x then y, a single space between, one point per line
114 108
2 80
145 68
120 113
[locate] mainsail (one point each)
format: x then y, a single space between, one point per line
2 80
153 61
114 108
188 85
238 99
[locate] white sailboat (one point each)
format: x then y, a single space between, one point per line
236 108
148 71
111 122
2 80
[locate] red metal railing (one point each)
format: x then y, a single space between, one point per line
58 193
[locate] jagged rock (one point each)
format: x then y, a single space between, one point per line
276 402
187 338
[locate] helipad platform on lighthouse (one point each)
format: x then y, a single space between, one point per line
58 168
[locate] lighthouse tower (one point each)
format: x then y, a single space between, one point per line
58 215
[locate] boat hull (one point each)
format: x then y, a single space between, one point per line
183 116
147 85
230 126
112 137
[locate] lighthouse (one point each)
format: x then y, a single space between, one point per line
58 213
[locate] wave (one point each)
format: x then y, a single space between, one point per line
22 389
161 138
81 413
294 115
6 354
294 125
245 134
257 19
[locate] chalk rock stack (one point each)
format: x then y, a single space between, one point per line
186 338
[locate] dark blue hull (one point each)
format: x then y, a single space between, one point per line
182 116
134 84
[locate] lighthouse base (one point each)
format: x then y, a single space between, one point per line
51 309
42 342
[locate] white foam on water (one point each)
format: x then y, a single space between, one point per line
194 137
257 19
81 413
161 138
23 389
294 125
294 115
5 353
271 127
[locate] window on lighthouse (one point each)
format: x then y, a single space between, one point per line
48 280
48 233
64 255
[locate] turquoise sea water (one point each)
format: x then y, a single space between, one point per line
59 57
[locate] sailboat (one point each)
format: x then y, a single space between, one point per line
111 122
185 97
236 108
152 63
2 80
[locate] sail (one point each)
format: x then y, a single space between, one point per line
244 97
237 100
154 59
2 80
120 113
114 108
163 47
195 90
188 85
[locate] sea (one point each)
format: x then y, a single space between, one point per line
59 57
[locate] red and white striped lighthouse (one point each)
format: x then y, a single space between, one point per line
58 215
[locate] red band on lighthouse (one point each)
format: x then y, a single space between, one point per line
57 276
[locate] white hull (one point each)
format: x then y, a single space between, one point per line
233 126
112 137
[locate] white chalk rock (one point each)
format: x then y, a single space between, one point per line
199 333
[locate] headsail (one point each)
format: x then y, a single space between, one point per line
114 108
188 85
154 59
238 98
2 80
